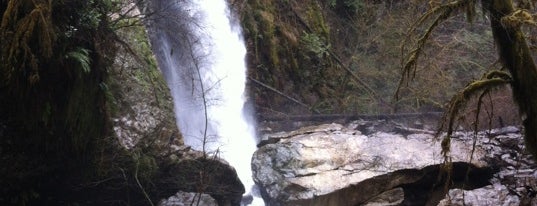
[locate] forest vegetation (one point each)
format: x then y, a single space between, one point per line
54 57
345 56
59 92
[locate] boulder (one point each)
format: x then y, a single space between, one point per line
332 164
193 172
140 101
514 183
495 194
189 198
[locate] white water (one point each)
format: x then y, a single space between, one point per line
201 53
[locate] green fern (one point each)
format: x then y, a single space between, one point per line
80 56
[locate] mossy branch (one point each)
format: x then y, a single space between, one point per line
489 81
442 12
518 18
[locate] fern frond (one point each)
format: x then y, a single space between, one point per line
81 57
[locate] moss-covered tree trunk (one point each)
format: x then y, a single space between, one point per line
516 57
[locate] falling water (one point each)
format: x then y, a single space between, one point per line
201 53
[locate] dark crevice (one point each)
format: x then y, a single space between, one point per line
431 188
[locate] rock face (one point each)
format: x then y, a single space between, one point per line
495 194
142 103
333 164
186 199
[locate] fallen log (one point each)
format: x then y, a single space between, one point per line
327 117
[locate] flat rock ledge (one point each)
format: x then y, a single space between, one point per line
332 164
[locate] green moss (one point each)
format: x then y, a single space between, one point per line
317 21
145 165
259 23
267 36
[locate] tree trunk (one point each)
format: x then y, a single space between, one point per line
516 57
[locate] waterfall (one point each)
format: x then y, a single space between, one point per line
200 51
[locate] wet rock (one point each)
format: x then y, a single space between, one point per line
142 107
515 182
333 164
311 163
187 199
276 137
193 172
496 194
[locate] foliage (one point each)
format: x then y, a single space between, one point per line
23 24
354 5
337 63
491 80
53 56
315 44
513 51
81 57
351 6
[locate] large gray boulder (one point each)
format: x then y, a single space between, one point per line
332 164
